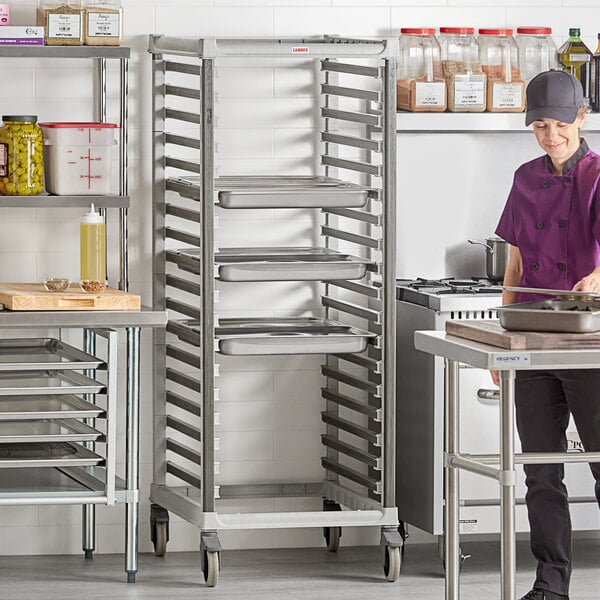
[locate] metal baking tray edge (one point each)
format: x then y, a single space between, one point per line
76 359
340 339
528 316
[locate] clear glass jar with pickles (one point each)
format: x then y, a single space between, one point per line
21 156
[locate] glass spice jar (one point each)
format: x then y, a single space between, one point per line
465 80
537 51
21 156
420 85
499 57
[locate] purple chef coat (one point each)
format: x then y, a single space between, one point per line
554 220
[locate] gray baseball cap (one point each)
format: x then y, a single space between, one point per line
553 95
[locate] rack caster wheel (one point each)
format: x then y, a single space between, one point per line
210 567
332 535
159 529
332 538
392 563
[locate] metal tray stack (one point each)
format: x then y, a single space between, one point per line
44 400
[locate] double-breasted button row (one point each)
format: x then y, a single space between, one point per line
562 224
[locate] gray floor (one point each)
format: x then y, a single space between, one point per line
307 574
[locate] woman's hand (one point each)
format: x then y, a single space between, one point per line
495 377
589 283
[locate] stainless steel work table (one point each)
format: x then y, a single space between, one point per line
131 322
500 466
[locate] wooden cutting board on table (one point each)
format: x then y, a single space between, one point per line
490 332
33 296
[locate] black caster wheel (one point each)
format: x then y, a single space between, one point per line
159 529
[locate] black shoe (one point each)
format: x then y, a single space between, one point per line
537 594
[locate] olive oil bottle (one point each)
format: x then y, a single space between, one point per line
576 58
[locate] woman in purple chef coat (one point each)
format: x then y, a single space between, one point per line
552 222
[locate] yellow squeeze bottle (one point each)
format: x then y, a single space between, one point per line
92 236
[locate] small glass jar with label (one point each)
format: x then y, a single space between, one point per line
465 79
62 21
420 85
537 51
102 23
21 156
500 62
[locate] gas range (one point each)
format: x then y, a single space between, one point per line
450 293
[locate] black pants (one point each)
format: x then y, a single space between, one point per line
544 400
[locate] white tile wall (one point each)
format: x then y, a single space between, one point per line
451 188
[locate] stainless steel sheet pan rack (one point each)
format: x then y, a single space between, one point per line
352 201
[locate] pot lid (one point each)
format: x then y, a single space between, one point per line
564 294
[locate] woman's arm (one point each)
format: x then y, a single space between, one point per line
513 274
512 277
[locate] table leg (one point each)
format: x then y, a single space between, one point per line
133 450
451 514
507 501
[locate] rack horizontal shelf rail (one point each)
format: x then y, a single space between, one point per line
354 199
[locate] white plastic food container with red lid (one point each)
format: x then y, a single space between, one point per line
78 157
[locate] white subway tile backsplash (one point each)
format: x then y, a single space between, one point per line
365 21
271 113
209 21
446 16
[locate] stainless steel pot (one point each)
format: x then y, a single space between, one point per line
496 257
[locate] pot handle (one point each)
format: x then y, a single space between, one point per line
475 242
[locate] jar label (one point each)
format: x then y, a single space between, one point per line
430 93
3 160
104 24
469 93
64 26
507 95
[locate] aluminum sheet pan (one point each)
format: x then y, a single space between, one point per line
47 407
276 264
281 192
258 336
31 383
552 315
564 294
43 353
58 430
47 454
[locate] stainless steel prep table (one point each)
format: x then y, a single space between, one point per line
49 490
457 350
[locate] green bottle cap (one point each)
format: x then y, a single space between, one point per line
574 31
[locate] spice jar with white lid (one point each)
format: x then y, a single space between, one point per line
499 56
537 51
465 80
420 85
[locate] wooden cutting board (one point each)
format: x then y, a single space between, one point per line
490 332
33 296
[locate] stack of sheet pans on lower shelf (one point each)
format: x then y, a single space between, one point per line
41 404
